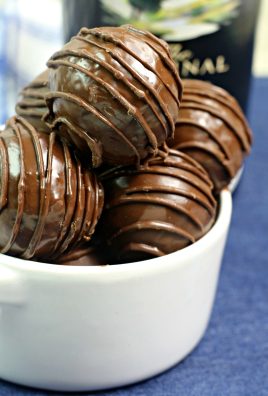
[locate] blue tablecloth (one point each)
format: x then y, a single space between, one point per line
232 358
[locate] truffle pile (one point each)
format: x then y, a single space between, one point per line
162 207
115 94
212 129
86 174
32 105
49 200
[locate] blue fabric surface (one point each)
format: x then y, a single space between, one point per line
232 358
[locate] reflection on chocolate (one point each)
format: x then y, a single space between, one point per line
83 256
213 130
48 201
32 105
164 206
115 94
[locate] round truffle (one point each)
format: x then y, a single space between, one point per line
157 209
83 256
48 201
32 105
213 130
114 94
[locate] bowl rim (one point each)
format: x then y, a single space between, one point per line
177 258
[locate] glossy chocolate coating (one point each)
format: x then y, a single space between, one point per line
213 130
164 206
114 94
83 256
49 202
32 105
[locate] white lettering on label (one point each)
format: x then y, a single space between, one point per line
194 66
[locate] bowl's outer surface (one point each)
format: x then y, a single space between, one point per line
88 328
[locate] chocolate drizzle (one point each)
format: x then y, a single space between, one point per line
213 130
50 202
118 86
163 206
32 105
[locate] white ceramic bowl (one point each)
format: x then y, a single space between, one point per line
86 328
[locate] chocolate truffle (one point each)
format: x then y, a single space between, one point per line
83 256
48 201
32 105
213 130
161 207
114 94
